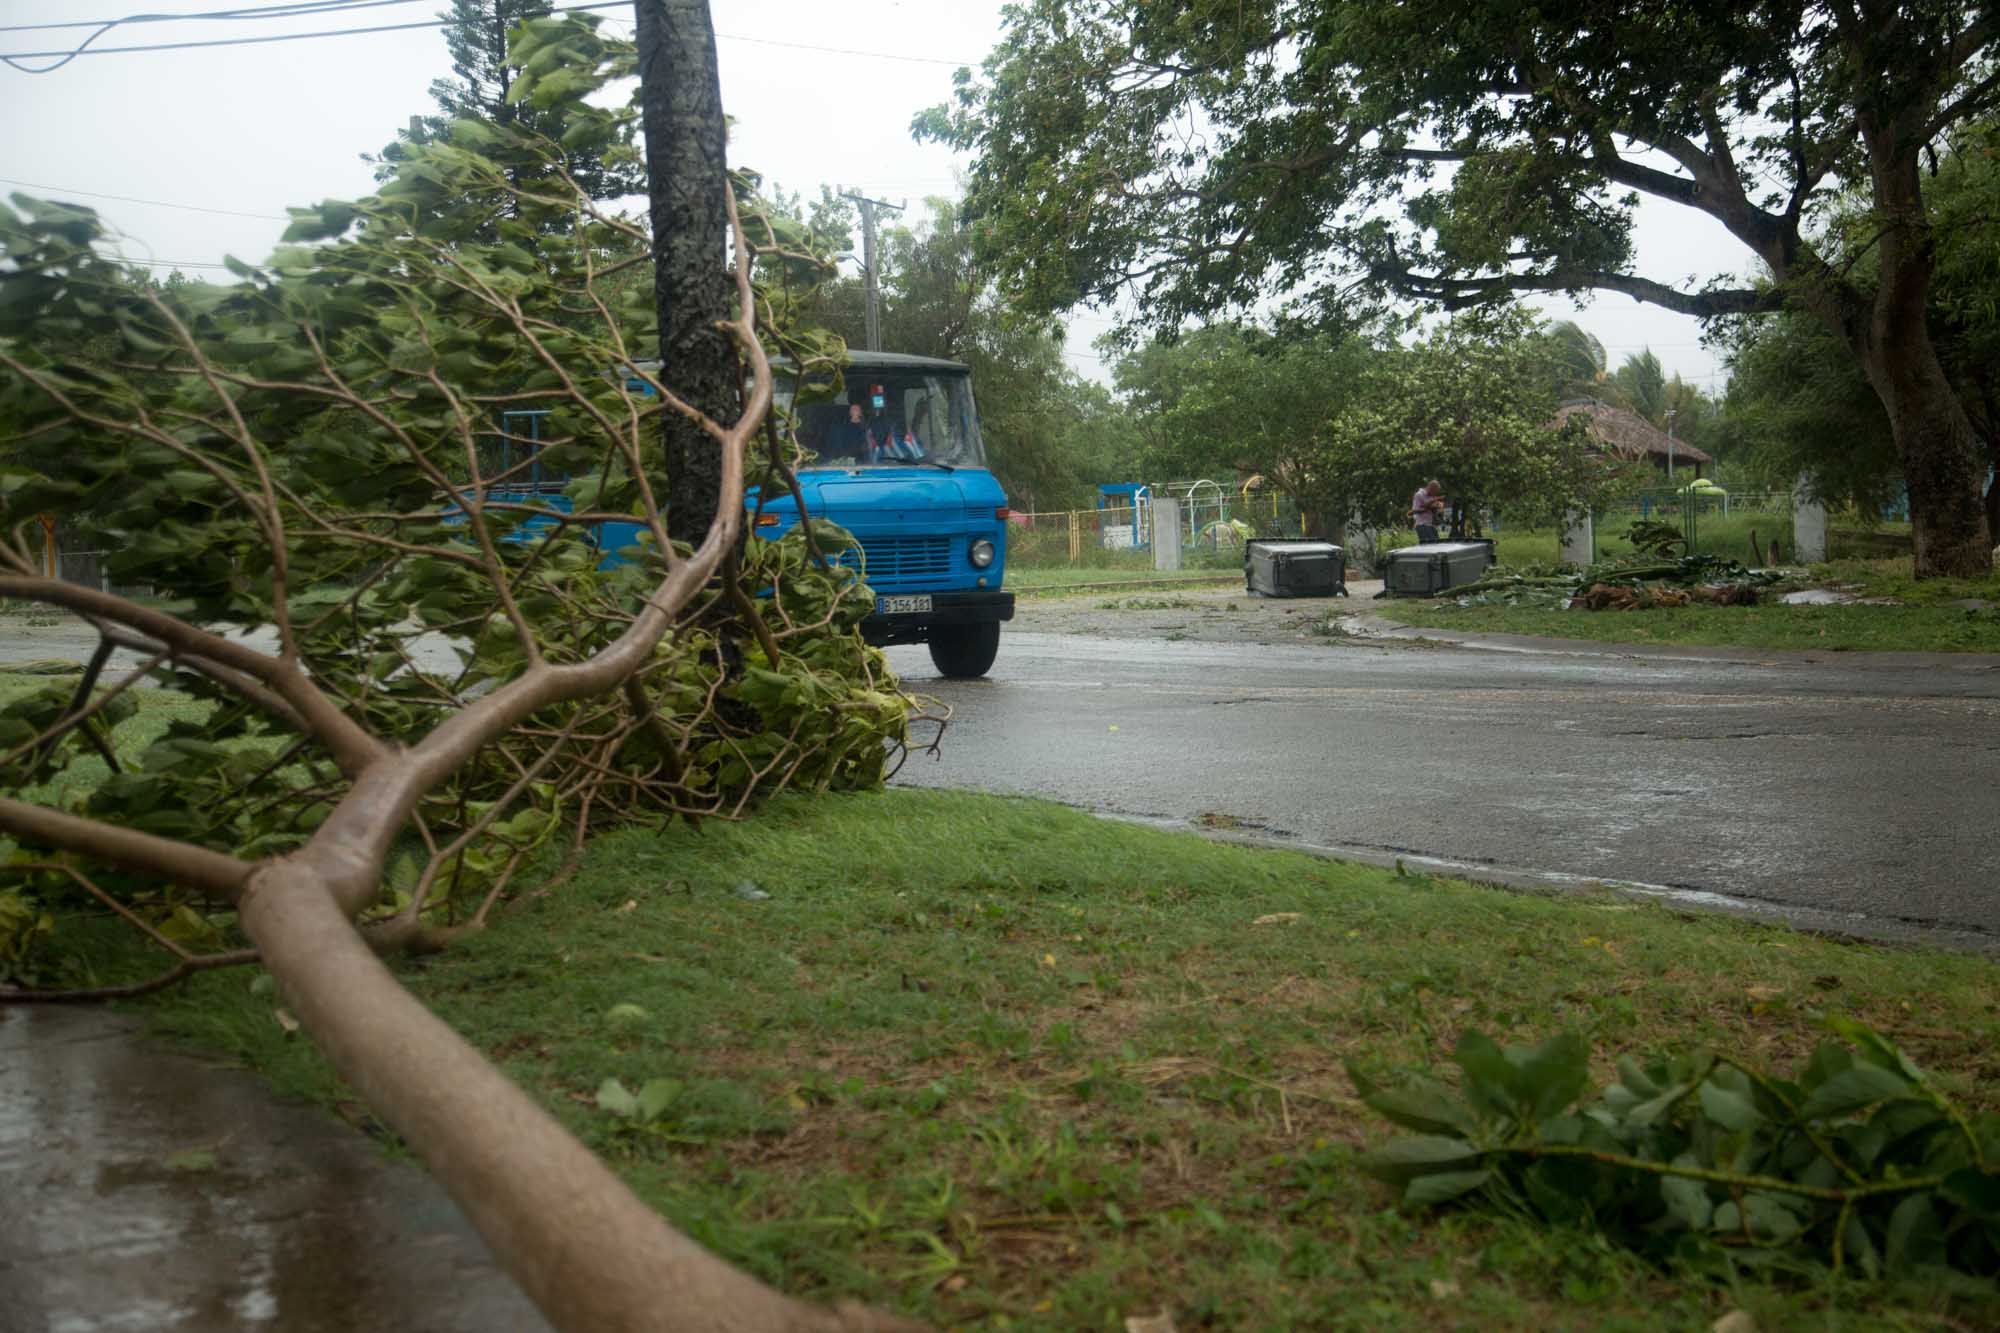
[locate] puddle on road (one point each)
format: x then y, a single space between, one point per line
168 1194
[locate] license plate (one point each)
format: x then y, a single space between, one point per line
903 606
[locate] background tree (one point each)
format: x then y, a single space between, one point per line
1582 369
1641 385
1471 406
484 70
1459 154
452 681
1237 399
1801 407
1050 435
680 100
1348 428
1798 408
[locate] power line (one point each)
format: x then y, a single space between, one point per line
157 203
292 10
164 263
85 48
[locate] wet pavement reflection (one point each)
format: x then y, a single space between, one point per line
141 1188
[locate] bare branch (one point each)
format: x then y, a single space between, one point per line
142 853
351 746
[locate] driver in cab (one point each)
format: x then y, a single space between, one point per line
885 439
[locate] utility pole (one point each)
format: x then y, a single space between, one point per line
1670 444
873 327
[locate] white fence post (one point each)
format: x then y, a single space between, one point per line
1166 534
1579 539
1808 525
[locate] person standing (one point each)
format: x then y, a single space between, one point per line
1427 510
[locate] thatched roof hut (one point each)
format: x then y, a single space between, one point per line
1629 435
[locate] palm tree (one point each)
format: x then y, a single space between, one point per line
1580 361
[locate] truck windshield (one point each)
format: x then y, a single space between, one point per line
892 419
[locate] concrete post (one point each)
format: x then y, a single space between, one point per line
1166 534
1579 539
1808 526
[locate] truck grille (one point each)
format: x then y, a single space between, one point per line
902 561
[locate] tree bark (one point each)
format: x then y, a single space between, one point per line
1933 433
582 1246
681 114
1950 520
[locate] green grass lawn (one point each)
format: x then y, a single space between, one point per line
1926 622
158 709
1002 1065
1071 576
1727 536
1830 628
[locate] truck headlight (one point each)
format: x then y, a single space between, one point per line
982 553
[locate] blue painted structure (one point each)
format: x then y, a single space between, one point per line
923 524
925 519
1121 494
521 432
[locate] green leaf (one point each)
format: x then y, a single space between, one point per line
1734 1110
1489 1077
1431 1190
1424 1106
1687 1200
1874 1047
1852 1089
1976 1191
1555 1074
1635 1079
1401 1160
1644 1114
1859 1247
657 1096
1916 1237
614 1097
1773 1217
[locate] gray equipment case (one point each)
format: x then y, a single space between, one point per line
1294 569
1435 567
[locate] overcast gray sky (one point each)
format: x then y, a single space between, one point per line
822 91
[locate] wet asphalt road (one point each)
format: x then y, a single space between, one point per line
1856 795
145 1189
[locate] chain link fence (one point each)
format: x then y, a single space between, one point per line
1214 524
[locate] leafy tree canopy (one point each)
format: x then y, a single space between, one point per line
1350 427
1799 406
1050 434
1239 399
1470 406
1210 155
476 33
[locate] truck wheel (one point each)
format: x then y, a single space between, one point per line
962 652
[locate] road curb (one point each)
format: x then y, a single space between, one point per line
1219 581
1373 625
1846 927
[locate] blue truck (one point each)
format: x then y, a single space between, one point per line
895 458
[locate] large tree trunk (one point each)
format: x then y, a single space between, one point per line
1933 434
1941 462
681 113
